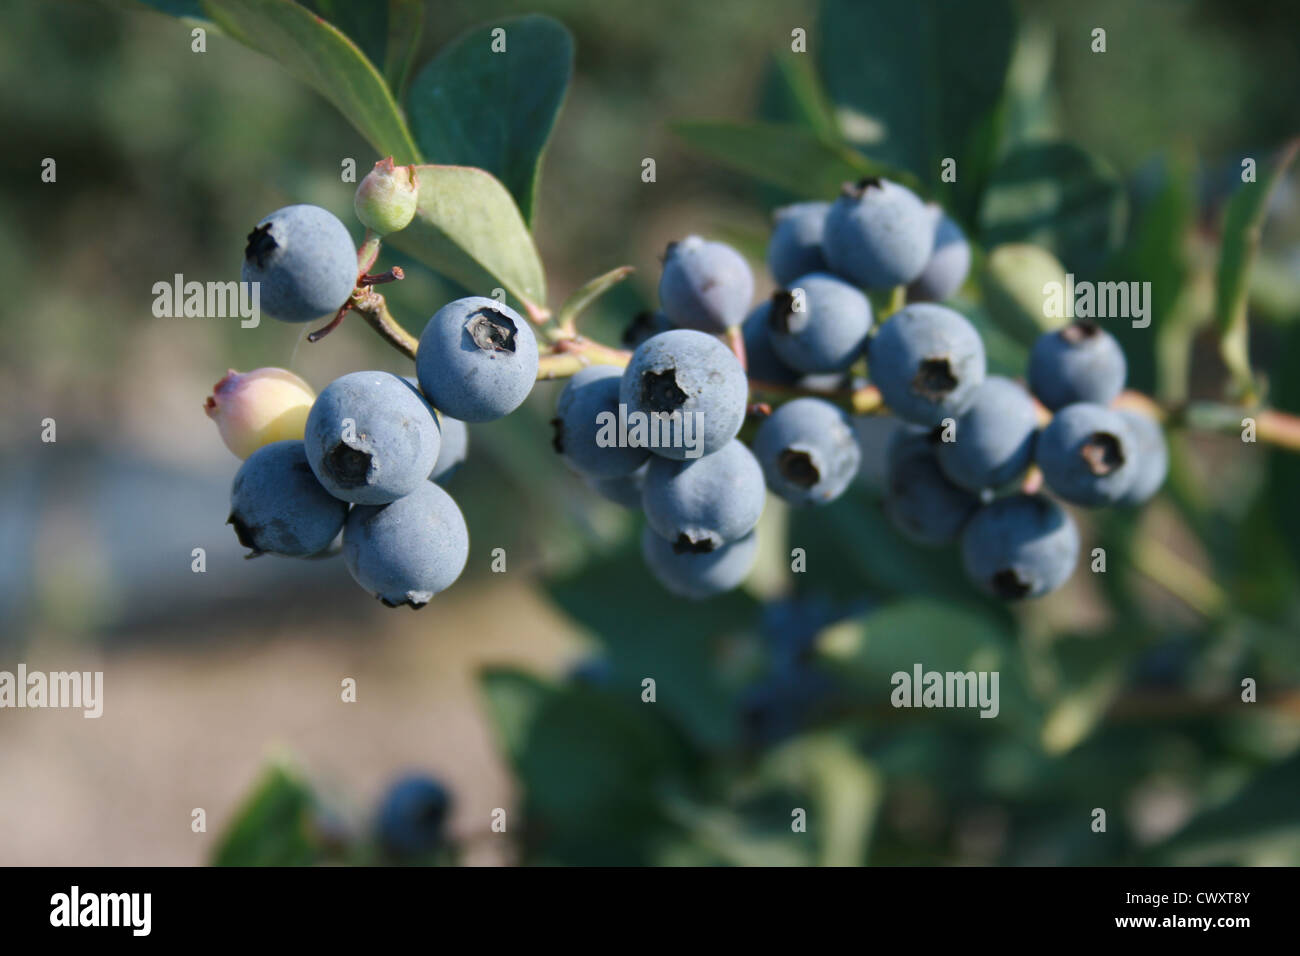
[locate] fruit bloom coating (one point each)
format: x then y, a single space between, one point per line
255 408
1088 454
923 504
808 451
1079 363
477 359
412 816
453 446
878 234
948 265
819 324
692 374
303 261
625 490
582 433
278 507
371 438
386 199
1152 457
407 551
705 285
703 503
1022 546
795 248
699 574
927 361
993 439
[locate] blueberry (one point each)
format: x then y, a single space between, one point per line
1079 363
624 490
705 285
927 361
948 265
993 441
582 433
412 817
761 361
643 325
699 574
874 433
304 262
477 359
371 438
1152 457
878 234
690 380
808 451
704 503
922 503
1022 546
1088 454
453 450
819 324
795 248
407 551
453 447
277 506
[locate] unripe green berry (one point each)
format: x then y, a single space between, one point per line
386 199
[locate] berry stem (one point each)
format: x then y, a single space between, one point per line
567 318
370 305
368 252
569 356
736 342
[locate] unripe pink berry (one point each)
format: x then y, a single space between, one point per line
387 197
255 408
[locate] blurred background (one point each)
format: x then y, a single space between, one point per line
166 157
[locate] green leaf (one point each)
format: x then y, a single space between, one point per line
1243 223
578 302
317 53
649 633
274 827
793 93
471 106
189 9
1284 465
468 228
792 157
926 74
1058 196
387 31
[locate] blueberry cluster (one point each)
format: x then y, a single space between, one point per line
959 466
376 446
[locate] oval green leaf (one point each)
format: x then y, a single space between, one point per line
468 228
317 53
473 106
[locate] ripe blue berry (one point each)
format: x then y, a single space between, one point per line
581 433
705 285
1088 455
453 450
624 490
1152 457
304 262
407 551
795 248
695 379
761 360
922 503
948 265
927 361
878 234
993 442
477 359
1079 363
699 574
278 507
1023 546
371 438
643 325
819 324
808 451
412 817
703 503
